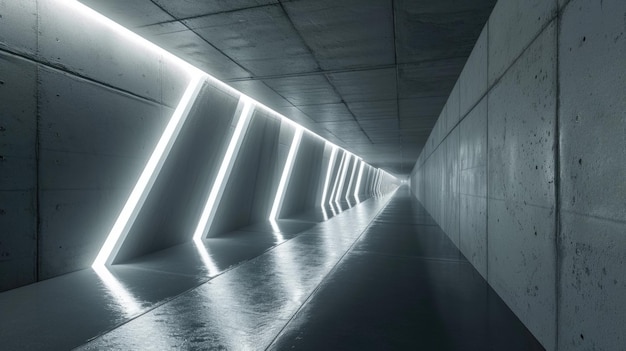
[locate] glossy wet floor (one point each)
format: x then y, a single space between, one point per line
379 276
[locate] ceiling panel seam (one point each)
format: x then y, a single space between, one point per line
346 70
202 15
312 53
206 41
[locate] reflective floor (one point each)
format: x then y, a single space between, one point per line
379 276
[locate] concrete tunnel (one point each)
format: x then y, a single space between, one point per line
344 175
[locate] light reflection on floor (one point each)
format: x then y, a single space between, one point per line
222 274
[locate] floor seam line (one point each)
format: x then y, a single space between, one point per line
317 288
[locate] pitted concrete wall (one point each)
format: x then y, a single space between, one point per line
524 168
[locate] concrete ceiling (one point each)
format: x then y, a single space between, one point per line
369 75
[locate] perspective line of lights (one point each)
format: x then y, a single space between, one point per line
197 76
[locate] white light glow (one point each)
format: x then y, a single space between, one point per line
284 179
208 262
139 193
358 182
210 208
329 172
137 197
374 182
336 184
342 180
356 161
121 295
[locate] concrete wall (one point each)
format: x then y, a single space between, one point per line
254 179
304 185
175 203
524 168
77 126
82 108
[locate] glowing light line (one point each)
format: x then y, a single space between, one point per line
329 172
356 161
358 182
210 208
137 197
280 192
342 181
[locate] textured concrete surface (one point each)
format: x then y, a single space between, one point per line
18 172
423 294
172 209
521 224
513 25
504 217
473 81
593 164
92 146
63 41
18 28
302 190
251 184
452 109
473 187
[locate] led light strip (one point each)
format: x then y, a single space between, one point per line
342 180
146 180
331 163
137 197
332 194
210 208
358 182
284 179
356 161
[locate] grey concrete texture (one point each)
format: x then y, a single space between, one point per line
18 194
250 189
503 209
473 187
521 225
522 125
303 187
18 28
174 205
143 72
346 190
473 81
93 143
453 109
592 167
513 25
